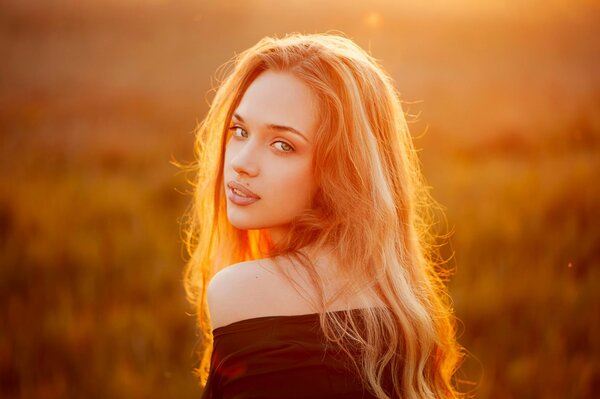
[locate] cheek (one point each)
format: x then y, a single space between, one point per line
293 186
228 153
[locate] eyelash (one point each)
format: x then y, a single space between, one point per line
235 127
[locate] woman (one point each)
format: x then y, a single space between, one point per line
311 253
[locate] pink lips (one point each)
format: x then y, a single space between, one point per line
243 196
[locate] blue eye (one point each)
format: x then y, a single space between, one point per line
285 147
239 132
235 130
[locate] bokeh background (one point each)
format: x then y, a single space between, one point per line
98 98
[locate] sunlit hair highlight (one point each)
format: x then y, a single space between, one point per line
373 208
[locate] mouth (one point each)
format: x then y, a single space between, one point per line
240 195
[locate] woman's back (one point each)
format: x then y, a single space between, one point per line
259 289
277 357
268 341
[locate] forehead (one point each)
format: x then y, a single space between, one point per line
280 98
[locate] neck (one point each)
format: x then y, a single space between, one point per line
276 234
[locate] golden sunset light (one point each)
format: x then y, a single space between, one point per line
100 103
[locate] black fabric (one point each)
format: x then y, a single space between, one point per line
279 357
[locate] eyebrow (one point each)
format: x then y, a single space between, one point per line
275 127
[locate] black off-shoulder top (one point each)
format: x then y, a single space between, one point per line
279 357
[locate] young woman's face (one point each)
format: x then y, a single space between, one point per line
268 157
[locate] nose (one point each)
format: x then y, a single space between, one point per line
244 161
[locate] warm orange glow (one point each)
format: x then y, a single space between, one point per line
99 96
373 20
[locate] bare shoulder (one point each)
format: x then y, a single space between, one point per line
250 289
228 290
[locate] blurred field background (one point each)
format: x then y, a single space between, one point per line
98 97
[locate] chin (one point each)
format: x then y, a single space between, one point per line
242 223
247 224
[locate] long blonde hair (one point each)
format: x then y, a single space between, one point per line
372 206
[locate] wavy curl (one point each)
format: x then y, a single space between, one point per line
365 161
